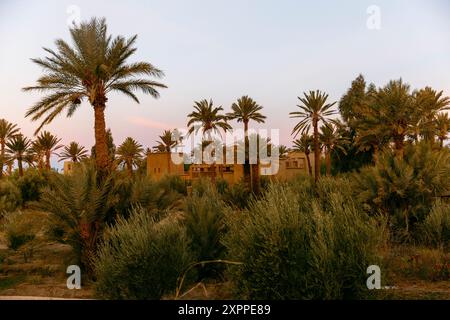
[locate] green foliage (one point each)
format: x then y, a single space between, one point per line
436 227
10 197
294 246
405 189
141 258
32 183
18 230
205 226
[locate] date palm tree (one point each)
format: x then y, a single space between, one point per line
17 149
442 123
428 103
331 141
165 143
246 110
47 144
129 154
7 131
304 145
313 110
73 152
95 66
209 119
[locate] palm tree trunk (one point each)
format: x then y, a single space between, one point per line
19 164
2 158
130 168
399 145
47 160
308 161
101 148
316 150
375 154
247 167
328 162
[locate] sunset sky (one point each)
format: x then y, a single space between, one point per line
270 50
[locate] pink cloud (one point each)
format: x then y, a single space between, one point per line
145 122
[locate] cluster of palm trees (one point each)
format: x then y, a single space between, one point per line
96 65
15 147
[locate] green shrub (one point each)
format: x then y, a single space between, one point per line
32 183
237 195
294 248
141 258
405 189
10 198
436 227
205 226
18 229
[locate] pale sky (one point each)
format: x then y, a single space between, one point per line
270 50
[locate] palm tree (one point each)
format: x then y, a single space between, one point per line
73 152
304 145
314 109
210 119
442 123
428 103
394 107
47 144
246 110
95 66
283 151
7 131
166 144
17 148
331 140
129 153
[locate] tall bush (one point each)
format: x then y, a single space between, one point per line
295 247
10 197
141 258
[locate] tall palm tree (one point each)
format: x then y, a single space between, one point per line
304 145
314 109
93 67
428 103
165 143
73 152
442 123
17 148
47 143
394 107
129 153
209 119
7 131
331 140
246 110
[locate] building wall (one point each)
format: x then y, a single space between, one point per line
160 164
68 167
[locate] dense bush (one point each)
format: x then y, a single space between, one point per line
205 226
10 197
141 258
18 230
436 227
32 183
295 247
405 189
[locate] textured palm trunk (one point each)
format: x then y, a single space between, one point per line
308 161
47 160
375 154
247 166
19 164
130 168
2 158
102 160
399 146
328 162
316 150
